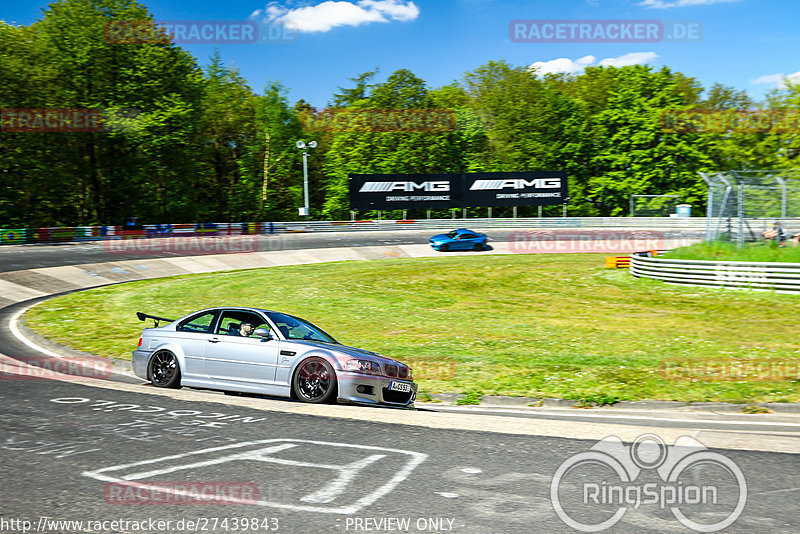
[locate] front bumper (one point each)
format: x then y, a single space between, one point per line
370 389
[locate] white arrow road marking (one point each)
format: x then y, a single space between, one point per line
262 451
346 475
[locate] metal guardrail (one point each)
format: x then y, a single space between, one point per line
530 223
778 277
100 233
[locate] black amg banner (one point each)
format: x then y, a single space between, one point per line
441 191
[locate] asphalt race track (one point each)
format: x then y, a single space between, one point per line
56 435
120 456
14 258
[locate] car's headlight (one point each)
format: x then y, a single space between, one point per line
397 371
363 366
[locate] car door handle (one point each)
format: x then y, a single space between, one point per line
213 340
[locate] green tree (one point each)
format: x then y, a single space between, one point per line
632 153
392 149
228 190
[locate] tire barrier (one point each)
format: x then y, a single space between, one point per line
64 234
763 276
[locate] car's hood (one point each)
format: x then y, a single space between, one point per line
440 237
343 349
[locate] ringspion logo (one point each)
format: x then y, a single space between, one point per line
703 490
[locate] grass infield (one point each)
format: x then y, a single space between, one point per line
539 325
727 251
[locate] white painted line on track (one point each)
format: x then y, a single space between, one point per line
612 416
17 333
263 450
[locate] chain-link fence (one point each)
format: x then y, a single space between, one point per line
743 204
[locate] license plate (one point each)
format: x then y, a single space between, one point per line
400 386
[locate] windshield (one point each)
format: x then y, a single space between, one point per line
295 328
452 235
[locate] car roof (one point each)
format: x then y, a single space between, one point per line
243 308
236 308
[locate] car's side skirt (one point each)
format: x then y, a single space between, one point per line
278 390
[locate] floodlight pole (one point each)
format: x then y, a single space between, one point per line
305 181
304 147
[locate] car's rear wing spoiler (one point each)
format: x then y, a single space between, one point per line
144 317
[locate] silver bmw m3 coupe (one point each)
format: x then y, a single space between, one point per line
250 350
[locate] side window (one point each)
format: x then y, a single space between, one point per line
231 322
199 323
468 236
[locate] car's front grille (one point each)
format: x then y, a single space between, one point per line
396 397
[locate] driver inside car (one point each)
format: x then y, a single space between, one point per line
247 329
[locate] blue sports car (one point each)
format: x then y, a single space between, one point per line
461 239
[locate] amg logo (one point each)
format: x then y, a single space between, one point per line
516 183
388 187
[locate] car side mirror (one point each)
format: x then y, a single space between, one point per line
263 332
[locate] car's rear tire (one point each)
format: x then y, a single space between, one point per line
314 381
164 371
444 248
479 246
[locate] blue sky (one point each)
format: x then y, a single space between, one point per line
747 44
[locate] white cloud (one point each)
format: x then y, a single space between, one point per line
569 66
330 14
779 80
667 4
634 58
562 65
402 11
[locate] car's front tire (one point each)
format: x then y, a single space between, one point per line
444 248
164 371
314 381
